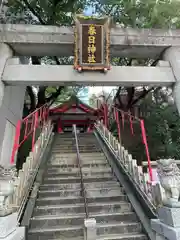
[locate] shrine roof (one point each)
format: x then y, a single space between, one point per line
73 101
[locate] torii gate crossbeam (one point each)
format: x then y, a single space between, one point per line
38 40
19 74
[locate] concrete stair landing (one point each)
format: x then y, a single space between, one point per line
59 212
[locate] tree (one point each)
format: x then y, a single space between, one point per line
44 12
162 124
141 14
156 104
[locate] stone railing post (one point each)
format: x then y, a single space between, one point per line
90 229
13 188
8 217
7 187
167 226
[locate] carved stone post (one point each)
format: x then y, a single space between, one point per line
167 227
7 176
90 229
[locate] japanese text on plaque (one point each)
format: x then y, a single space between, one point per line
91 44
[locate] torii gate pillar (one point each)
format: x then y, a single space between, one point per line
11 107
173 56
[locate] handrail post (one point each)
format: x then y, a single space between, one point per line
80 168
16 141
143 131
34 129
89 223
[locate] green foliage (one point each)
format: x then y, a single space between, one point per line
93 100
45 12
65 95
141 13
162 124
161 119
55 12
163 131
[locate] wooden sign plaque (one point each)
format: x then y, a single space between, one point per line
92 43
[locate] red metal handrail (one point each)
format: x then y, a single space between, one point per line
31 123
143 132
128 115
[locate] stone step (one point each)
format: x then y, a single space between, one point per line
55 233
134 236
71 137
97 207
87 155
75 170
81 141
53 167
97 185
78 219
73 145
70 161
74 151
46 201
71 179
98 164
116 191
74 155
74 162
75 231
118 228
77 173
80 138
31 237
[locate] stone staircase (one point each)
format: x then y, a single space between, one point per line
59 212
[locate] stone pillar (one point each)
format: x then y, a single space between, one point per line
9 229
11 107
167 226
173 56
90 229
5 53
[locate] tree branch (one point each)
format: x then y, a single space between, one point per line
28 5
54 95
118 98
143 95
131 92
35 60
159 58
52 17
32 98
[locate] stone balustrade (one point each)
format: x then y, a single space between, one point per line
163 194
15 187
140 178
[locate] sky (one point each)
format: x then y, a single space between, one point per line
96 90
88 11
